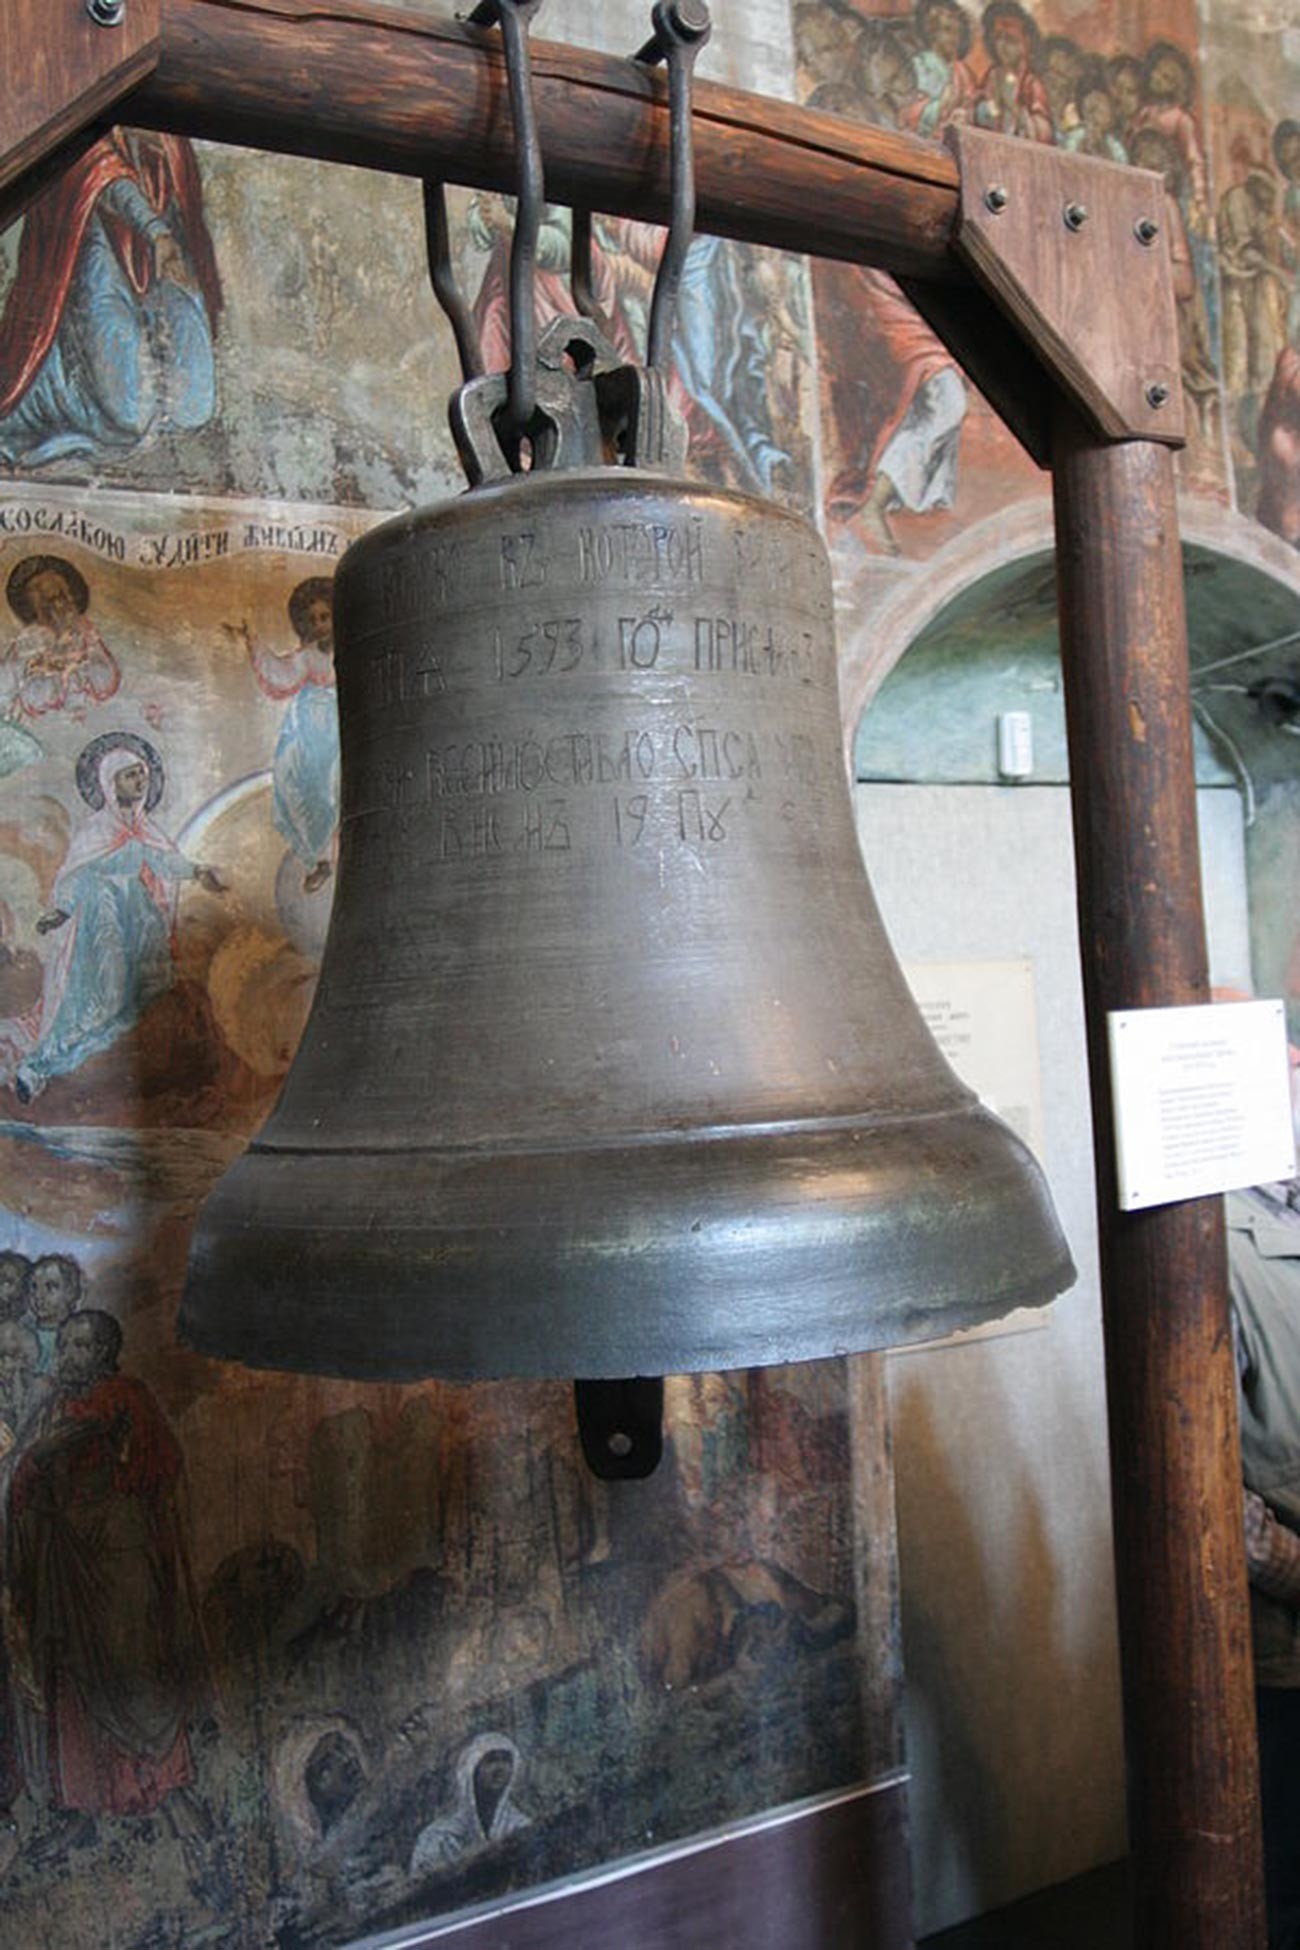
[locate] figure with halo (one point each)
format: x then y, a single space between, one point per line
305 768
113 918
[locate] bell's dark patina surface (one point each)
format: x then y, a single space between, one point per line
611 1069
611 1072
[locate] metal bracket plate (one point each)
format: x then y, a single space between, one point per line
63 72
1076 254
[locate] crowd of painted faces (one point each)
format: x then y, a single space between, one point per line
1235 254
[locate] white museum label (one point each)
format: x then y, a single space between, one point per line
1202 1100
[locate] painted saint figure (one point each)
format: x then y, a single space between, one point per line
1124 82
828 41
114 914
56 1292
305 768
334 1820
20 1389
1255 280
491 228
487 1772
107 333
58 659
101 1624
721 352
318 1773
15 1283
946 87
1012 98
1094 134
1278 506
1286 154
912 460
1168 90
887 93
1062 64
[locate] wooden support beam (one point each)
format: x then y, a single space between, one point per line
387 89
1170 1376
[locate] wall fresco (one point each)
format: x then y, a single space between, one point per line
175 312
285 1660
741 345
174 995
1252 66
913 454
107 331
172 311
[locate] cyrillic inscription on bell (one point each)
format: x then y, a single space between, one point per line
611 1068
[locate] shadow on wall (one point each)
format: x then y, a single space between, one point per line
1004 1685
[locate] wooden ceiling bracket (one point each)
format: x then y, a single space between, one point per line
1075 253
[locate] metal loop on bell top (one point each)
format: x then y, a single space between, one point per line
595 408
681 28
514 18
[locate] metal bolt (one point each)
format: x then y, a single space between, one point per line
996 199
689 17
1157 394
687 22
1076 216
1146 230
106 13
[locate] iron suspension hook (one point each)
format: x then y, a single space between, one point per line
569 399
514 18
681 28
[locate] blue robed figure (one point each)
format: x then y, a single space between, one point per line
114 914
305 765
107 332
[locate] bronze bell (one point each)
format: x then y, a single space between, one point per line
611 1070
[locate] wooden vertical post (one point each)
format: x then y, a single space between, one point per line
1171 1382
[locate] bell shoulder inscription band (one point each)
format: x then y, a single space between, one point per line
611 1069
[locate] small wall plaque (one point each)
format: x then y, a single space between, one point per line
1202 1100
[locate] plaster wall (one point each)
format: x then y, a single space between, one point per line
1000 1452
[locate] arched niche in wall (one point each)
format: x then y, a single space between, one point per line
926 678
883 610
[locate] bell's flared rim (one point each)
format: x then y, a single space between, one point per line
741 1251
